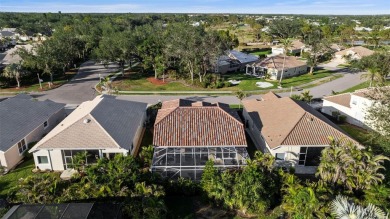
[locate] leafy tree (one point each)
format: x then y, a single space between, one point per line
240 95
299 201
15 71
373 75
378 114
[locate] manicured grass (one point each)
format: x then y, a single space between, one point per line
266 52
138 82
363 85
11 179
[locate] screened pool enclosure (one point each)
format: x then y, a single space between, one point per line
189 162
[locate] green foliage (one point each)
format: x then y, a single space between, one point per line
344 165
254 189
299 201
342 208
43 188
146 155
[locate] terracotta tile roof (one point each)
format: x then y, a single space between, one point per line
359 50
276 62
288 122
295 44
210 125
341 99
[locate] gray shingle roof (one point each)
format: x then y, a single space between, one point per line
20 115
120 118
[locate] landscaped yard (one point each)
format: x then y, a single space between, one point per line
58 81
11 179
265 52
363 85
136 81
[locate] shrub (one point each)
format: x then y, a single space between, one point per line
342 118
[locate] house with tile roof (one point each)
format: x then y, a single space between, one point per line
296 48
290 130
187 134
356 52
351 105
272 67
23 121
102 127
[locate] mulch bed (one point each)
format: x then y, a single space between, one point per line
156 81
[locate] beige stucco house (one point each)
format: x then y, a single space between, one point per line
23 121
292 131
356 52
102 127
272 67
296 48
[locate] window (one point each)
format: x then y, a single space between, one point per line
43 160
302 156
22 146
280 156
45 124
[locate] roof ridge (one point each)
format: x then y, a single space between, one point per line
299 120
163 118
220 108
104 130
350 93
322 121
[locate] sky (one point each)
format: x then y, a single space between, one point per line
338 7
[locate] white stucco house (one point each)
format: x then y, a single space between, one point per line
292 131
352 105
102 127
23 121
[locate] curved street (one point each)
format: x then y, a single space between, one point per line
81 88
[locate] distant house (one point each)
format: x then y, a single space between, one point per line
234 61
356 52
336 47
102 127
273 66
296 48
292 131
351 105
23 121
187 134
11 57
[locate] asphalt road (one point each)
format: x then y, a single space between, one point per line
81 88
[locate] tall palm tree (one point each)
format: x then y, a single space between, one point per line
287 43
344 209
373 75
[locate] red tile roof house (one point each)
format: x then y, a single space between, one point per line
290 130
187 134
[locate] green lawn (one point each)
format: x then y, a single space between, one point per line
57 81
139 82
11 179
363 85
265 52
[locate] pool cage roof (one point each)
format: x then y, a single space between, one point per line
68 210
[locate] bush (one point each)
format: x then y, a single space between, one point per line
342 118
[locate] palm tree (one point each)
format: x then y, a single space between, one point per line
287 43
373 75
345 165
13 71
306 96
344 209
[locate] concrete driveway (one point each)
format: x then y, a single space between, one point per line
81 88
